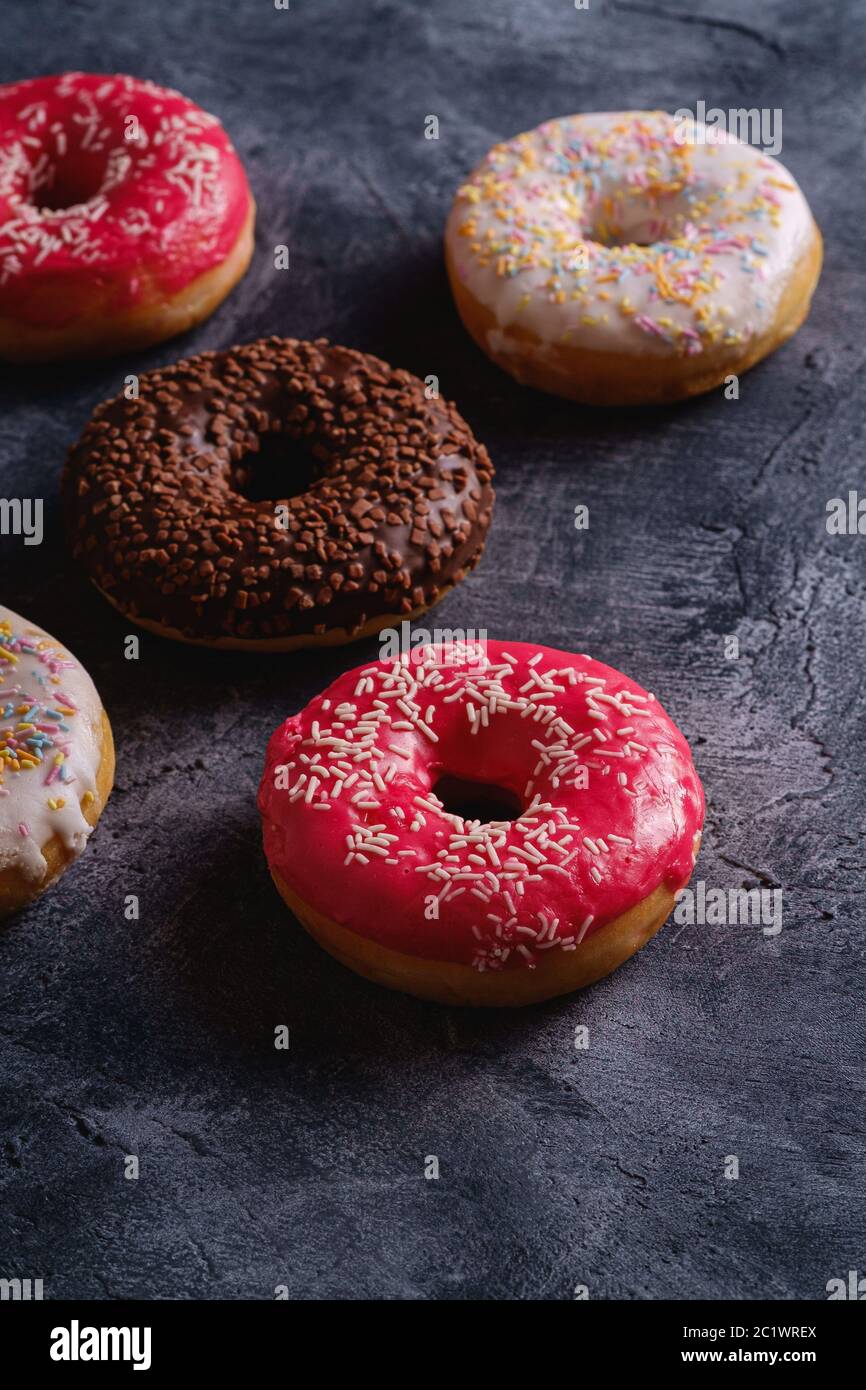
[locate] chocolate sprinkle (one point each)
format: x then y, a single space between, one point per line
397 511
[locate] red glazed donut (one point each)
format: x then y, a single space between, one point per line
125 215
361 796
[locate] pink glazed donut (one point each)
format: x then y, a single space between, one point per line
481 823
125 216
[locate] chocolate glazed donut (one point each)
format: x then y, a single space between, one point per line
393 497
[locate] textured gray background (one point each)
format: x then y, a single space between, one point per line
156 1038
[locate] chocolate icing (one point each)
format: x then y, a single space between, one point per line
397 511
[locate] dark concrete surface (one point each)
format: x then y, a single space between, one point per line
559 1167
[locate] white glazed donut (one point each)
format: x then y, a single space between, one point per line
627 257
56 760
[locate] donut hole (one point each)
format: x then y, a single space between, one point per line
482 801
611 242
71 183
628 218
277 469
640 234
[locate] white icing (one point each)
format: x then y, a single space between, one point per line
47 676
601 231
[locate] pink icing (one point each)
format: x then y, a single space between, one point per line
85 208
610 796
